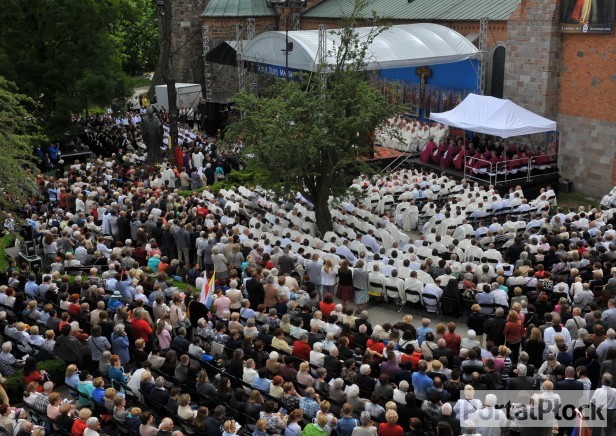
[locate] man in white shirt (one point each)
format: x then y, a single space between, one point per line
609 342
488 420
93 427
604 399
344 251
432 289
550 333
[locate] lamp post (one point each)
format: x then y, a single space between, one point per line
165 28
293 5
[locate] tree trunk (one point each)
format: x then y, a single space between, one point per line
157 78
166 17
321 206
323 215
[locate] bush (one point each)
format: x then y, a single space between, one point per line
5 242
249 177
14 385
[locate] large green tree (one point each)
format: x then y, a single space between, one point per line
138 32
304 135
66 54
19 133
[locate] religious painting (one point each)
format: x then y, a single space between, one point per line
552 142
447 100
398 92
435 101
412 99
457 99
587 16
426 102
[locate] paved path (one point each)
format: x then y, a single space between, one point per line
381 313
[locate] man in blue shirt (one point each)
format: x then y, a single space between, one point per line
421 381
261 382
31 287
347 423
125 287
421 331
310 403
246 312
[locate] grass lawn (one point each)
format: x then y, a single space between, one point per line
141 82
575 199
4 243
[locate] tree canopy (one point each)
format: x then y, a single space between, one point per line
138 33
19 134
305 134
68 55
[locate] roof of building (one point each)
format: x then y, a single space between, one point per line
238 8
462 10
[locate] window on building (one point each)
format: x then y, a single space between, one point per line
498 72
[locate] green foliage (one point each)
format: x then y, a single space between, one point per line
188 192
64 53
19 134
138 33
14 385
5 242
250 177
141 82
575 199
302 135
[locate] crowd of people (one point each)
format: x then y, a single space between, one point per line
286 345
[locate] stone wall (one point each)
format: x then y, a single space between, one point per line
225 81
187 63
532 69
588 153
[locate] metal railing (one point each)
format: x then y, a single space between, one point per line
475 167
521 169
398 161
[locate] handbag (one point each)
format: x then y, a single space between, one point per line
183 323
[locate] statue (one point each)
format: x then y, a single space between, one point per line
423 73
152 133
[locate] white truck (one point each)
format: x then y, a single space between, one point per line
188 95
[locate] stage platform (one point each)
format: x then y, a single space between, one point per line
389 159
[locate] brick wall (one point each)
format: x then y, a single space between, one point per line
533 56
586 120
588 85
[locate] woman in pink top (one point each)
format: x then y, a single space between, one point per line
164 337
221 303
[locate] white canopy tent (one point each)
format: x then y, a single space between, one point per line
494 116
403 45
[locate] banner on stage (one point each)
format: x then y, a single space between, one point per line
435 98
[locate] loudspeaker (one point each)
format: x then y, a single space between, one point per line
213 118
28 248
31 260
565 185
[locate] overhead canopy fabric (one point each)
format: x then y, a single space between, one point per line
405 45
494 116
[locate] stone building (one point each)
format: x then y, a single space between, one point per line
568 77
